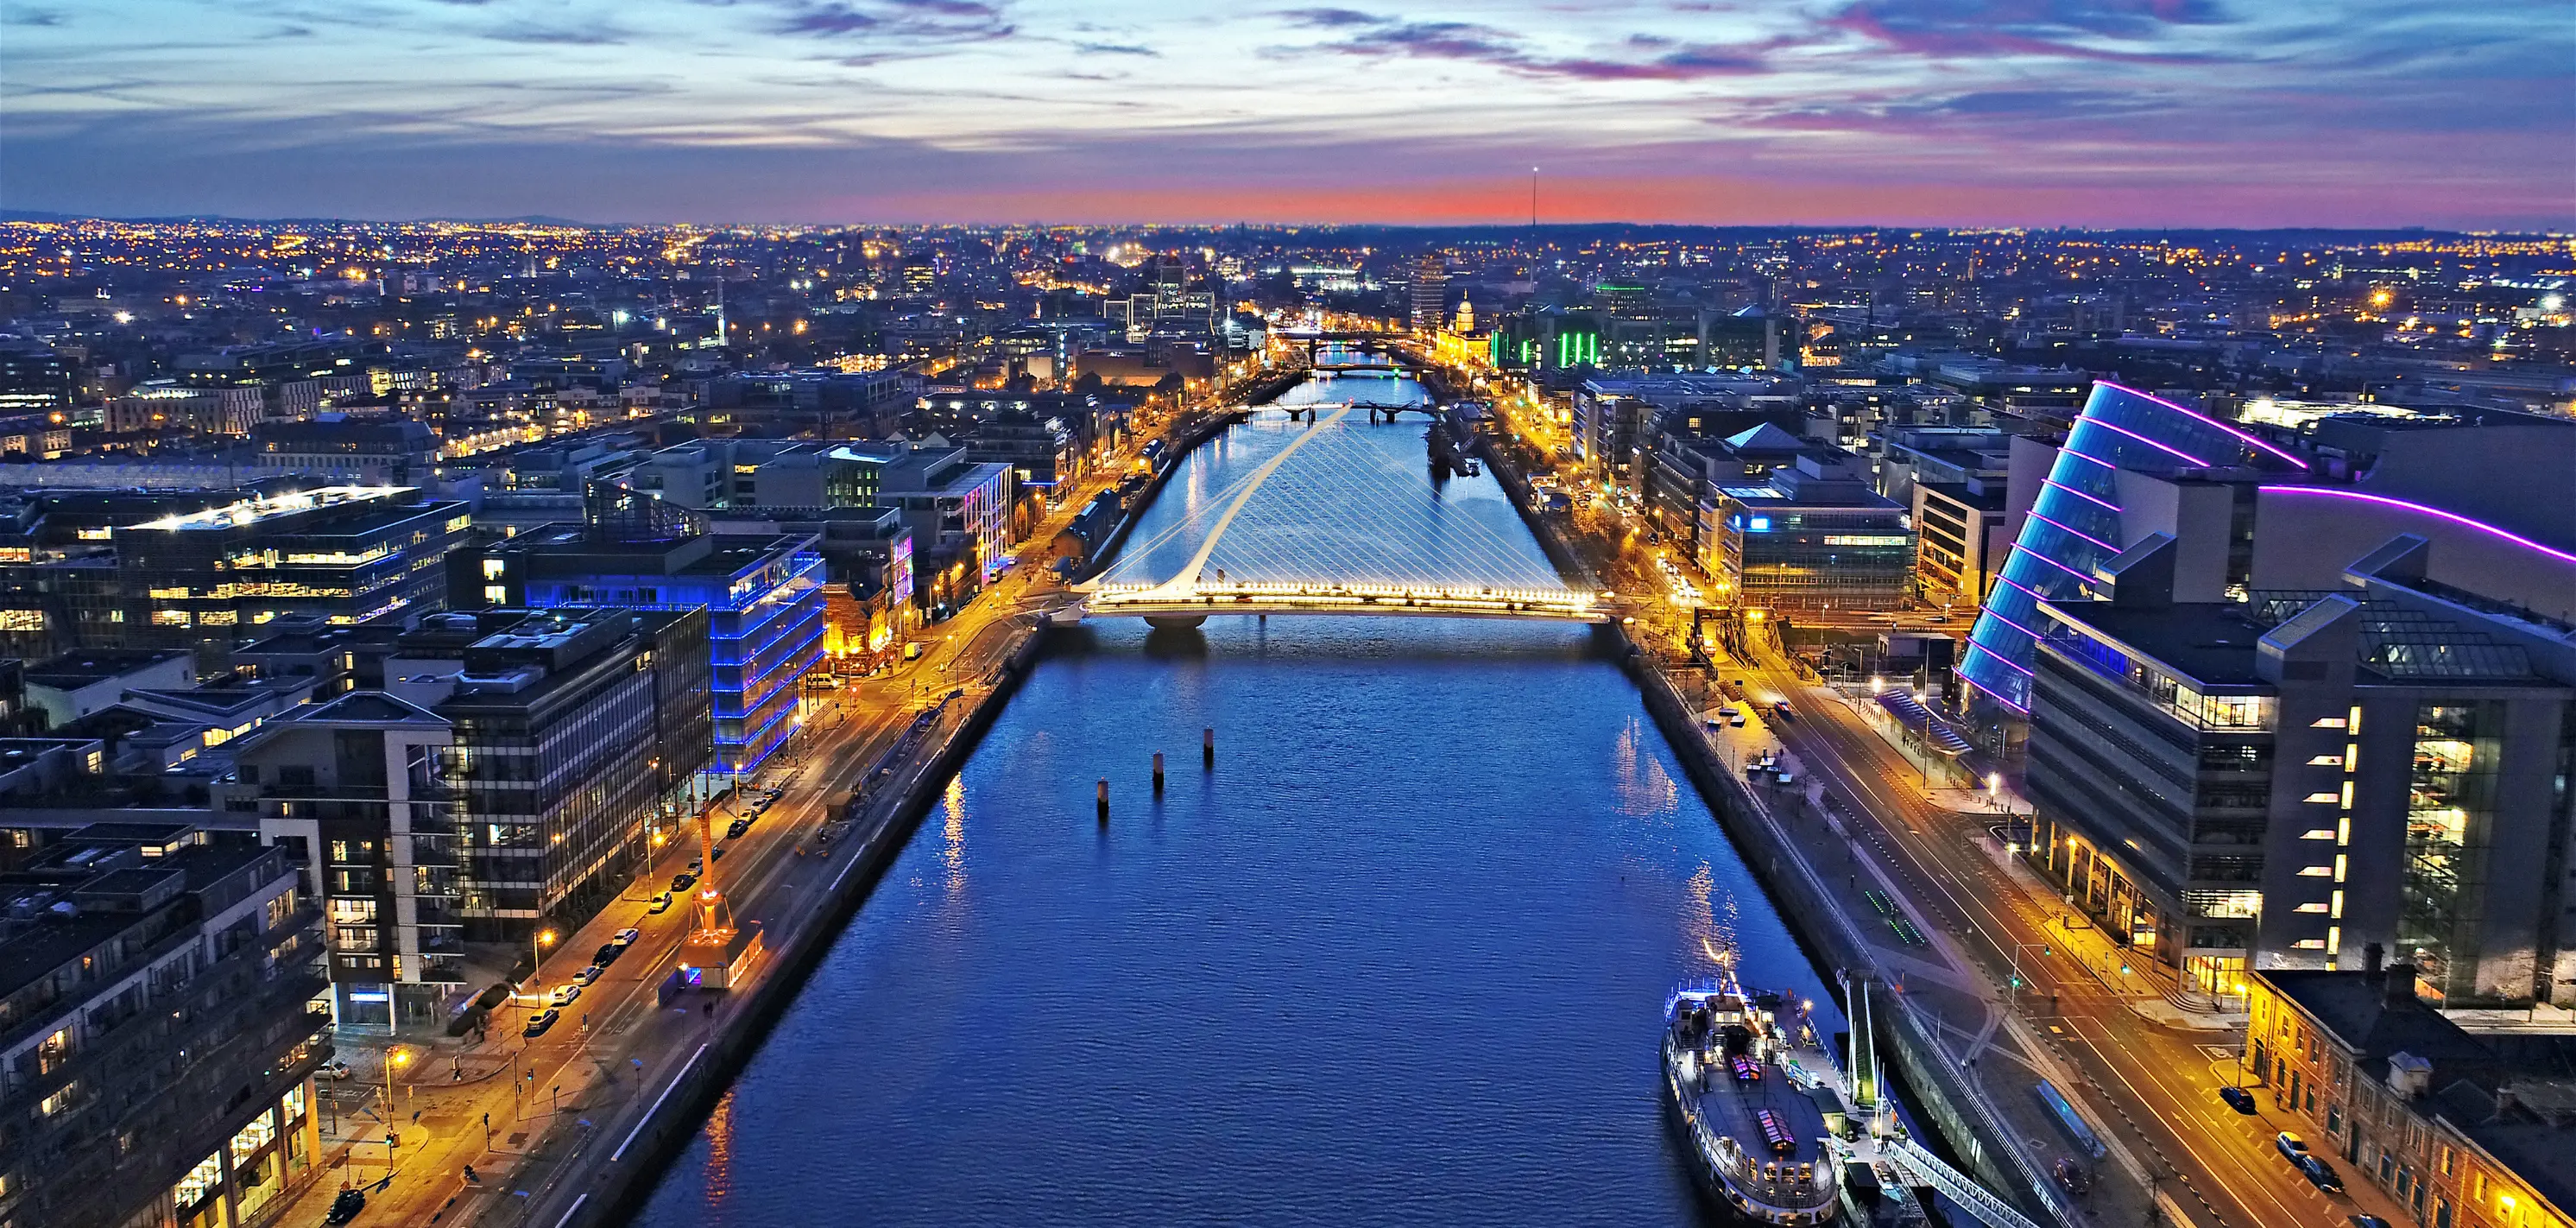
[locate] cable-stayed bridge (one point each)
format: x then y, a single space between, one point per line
1313 529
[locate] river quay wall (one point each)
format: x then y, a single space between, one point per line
611 1188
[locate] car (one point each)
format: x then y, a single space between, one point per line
565 995
2072 1178
2321 1175
606 954
719 853
661 904
333 1069
735 830
1787 779
626 937
587 975
2238 1098
346 1207
539 1022
697 865
2293 1148
683 881
2369 1221
1780 708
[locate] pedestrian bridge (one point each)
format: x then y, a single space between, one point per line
1335 521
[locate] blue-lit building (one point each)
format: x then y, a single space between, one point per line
2132 465
763 594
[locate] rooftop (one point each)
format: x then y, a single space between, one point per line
2209 643
254 510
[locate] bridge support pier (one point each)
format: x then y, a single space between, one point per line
1175 622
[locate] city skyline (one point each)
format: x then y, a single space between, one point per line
2104 113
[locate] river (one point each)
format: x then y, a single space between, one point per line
1398 958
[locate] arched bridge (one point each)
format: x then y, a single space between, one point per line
1294 567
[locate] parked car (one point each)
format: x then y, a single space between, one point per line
2238 1098
697 865
2072 1178
334 1069
586 975
2369 1221
2293 1148
734 830
346 1206
719 853
539 1022
661 903
606 954
626 937
683 880
2321 1175
564 995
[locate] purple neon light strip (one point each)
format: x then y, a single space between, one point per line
2077 493
2454 517
2035 594
2000 659
1990 694
2188 412
2144 440
2052 562
2078 532
2035 636
2069 451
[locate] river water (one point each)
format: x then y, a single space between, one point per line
1398 958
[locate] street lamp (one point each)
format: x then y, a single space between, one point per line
544 938
395 1058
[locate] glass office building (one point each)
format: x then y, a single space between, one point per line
2075 524
763 594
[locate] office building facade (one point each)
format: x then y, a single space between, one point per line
762 593
2289 781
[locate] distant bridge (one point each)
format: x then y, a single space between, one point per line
1316 576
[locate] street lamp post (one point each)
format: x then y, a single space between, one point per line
395 1058
538 942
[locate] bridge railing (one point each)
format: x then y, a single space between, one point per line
1537 602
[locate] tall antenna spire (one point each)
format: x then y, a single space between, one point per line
1533 198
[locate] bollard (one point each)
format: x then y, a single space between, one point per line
1104 799
1207 746
1158 773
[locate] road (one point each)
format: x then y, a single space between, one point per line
2160 1082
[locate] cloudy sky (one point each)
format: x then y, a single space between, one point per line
2450 113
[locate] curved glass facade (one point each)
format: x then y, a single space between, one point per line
2074 526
